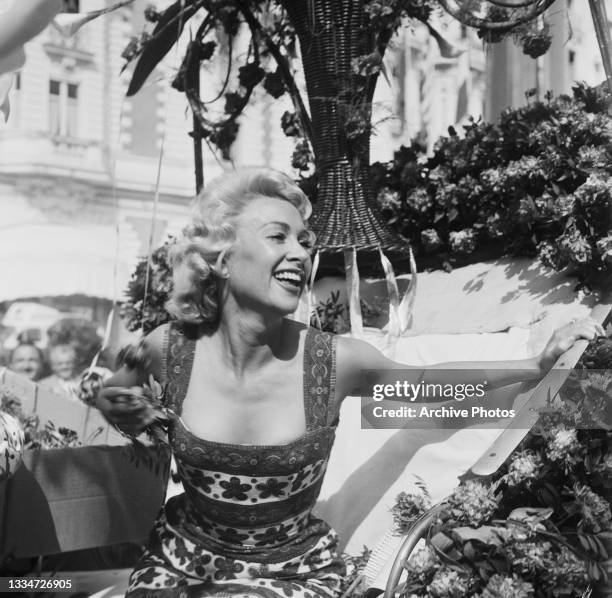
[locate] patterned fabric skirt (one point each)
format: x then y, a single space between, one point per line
177 565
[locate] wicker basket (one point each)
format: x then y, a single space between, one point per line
331 35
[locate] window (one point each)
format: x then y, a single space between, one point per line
72 110
63 108
54 108
70 6
15 116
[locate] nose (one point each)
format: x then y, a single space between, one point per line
298 253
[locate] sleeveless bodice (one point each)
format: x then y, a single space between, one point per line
246 513
251 498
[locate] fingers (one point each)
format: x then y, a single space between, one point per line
586 328
125 406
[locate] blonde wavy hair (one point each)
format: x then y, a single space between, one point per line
198 253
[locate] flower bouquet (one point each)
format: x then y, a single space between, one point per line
542 525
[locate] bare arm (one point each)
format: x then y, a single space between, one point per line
355 356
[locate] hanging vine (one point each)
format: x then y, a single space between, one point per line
272 57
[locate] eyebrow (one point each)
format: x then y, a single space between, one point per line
283 225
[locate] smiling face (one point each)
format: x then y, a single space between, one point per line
62 359
26 361
269 264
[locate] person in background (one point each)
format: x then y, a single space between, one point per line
62 360
27 360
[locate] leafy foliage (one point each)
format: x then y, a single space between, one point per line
270 59
542 525
537 183
147 294
37 436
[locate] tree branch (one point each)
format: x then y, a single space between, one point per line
288 79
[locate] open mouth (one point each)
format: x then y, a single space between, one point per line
290 279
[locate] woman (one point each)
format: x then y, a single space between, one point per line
256 399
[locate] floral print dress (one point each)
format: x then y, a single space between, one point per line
243 526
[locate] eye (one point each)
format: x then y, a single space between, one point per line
307 243
308 240
278 236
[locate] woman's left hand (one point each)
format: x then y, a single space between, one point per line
563 338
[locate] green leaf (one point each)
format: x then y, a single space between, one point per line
468 551
165 35
486 534
583 541
602 552
593 571
442 542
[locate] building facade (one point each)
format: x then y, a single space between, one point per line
91 179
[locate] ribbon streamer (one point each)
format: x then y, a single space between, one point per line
352 287
406 307
393 327
311 297
304 310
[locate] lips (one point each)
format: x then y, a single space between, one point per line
290 279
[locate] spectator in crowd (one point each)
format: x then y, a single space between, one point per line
64 378
27 360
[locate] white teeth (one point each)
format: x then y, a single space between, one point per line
289 276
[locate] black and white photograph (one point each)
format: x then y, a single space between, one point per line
306 298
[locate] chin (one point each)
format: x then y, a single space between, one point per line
287 310
286 307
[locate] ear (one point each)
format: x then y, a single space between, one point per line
220 265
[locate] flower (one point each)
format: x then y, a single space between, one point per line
419 200
564 447
575 247
536 44
592 157
605 466
272 487
290 124
407 509
388 199
523 468
565 570
530 557
604 247
448 583
463 241
302 157
500 586
274 83
430 239
593 509
234 488
473 503
421 565
549 255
